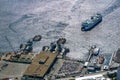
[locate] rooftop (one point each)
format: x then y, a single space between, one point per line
93 77
40 64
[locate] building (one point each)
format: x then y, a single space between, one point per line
91 69
117 57
18 57
93 77
40 65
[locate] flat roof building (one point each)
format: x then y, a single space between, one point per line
40 64
93 77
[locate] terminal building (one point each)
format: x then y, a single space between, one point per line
40 66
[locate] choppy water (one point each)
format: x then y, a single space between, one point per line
20 20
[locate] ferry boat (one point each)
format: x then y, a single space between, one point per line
91 23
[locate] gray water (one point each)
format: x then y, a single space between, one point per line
20 20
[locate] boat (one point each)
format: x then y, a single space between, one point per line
61 41
23 46
26 47
94 50
37 38
91 23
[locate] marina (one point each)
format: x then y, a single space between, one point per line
59 39
54 55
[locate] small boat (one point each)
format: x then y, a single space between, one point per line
37 38
61 41
23 46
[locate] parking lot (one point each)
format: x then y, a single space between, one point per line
13 70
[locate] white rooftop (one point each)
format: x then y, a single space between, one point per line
92 77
